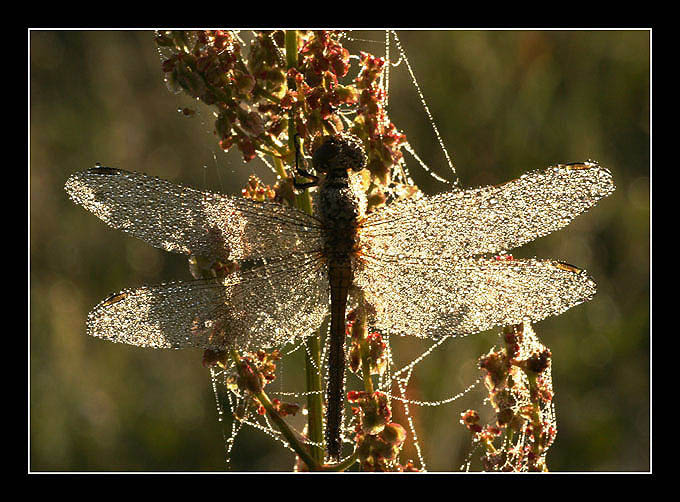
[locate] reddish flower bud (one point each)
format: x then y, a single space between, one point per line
250 380
223 126
313 98
247 149
243 82
227 143
354 395
496 365
277 126
504 416
393 434
288 100
169 64
469 417
286 409
375 413
190 81
345 94
339 62
251 122
539 362
354 358
163 40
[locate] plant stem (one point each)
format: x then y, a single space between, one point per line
280 169
536 419
291 42
313 353
281 424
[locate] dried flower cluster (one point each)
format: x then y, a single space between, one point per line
378 439
282 192
370 345
519 383
208 65
262 99
249 378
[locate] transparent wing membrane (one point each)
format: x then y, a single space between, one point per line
431 298
184 220
418 266
489 219
262 307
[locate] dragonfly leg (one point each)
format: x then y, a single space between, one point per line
302 186
302 172
306 174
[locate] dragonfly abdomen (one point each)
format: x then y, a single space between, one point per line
340 278
339 212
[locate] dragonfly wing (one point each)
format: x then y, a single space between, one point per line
262 307
184 220
489 219
442 297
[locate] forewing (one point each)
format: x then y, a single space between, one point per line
489 219
431 298
261 307
184 220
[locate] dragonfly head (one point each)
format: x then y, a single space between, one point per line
339 153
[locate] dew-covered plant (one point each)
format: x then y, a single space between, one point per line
288 83
268 264
519 384
283 86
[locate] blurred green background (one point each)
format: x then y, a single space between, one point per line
505 102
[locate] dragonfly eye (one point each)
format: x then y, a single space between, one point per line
343 151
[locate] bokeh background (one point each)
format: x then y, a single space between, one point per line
505 102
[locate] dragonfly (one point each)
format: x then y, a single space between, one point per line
427 266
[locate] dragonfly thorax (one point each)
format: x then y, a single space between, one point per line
339 204
339 208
